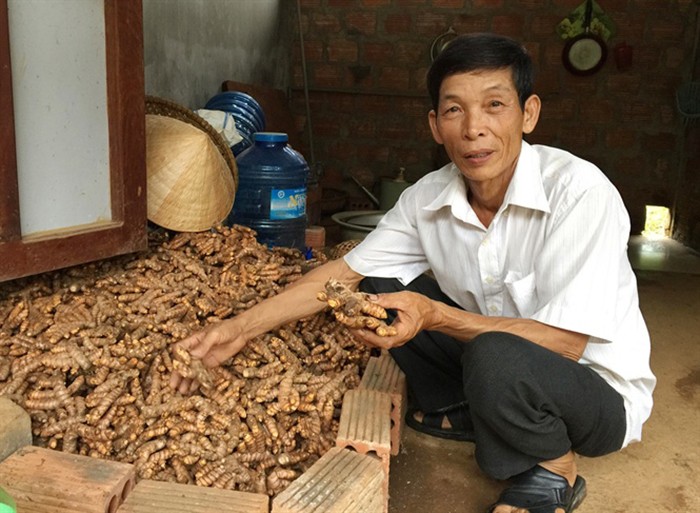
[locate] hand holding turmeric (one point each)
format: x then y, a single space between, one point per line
354 309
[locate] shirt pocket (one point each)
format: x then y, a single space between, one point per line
522 291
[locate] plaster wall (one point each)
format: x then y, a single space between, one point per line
192 46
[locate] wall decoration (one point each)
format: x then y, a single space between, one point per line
575 23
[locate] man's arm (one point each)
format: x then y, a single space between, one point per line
297 300
416 312
218 342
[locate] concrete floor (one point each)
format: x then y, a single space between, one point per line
660 474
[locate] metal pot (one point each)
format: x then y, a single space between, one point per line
356 224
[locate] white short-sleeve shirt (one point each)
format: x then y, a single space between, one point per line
555 252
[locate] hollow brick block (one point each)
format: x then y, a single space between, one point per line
47 481
365 426
340 481
365 422
15 428
160 497
384 375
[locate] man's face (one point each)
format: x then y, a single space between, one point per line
480 122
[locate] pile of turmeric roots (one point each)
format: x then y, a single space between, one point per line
89 351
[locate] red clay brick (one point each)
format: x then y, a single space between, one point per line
559 109
326 75
325 23
365 422
342 50
544 25
341 481
364 21
666 30
674 57
532 4
666 142
382 374
466 23
365 426
576 138
449 4
313 51
376 53
160 496
46 481
636 112
373 153
430 23
394 78
488 3
620 138
597 112
410 52
508 25
398 23
626 83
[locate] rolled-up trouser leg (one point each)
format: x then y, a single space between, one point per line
431 361
529 404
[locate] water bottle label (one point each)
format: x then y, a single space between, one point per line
287 203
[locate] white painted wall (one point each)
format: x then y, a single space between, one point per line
192 46
60 111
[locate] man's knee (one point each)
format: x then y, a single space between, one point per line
492 360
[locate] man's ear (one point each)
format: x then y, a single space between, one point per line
531 113
432 120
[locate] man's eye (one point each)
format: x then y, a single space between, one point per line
496 103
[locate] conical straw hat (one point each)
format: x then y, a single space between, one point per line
190 186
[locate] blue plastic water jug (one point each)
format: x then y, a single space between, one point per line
271 193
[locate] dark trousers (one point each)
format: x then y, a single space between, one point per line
527 404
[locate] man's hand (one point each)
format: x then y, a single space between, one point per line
213 345
414 313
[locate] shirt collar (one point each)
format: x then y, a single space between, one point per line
525 188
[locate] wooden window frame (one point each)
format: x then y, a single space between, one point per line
127 230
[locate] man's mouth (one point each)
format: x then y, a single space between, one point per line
477 155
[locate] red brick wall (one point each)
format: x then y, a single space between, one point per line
366 61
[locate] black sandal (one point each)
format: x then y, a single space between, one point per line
431 424
540 491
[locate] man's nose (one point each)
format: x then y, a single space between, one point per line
473 125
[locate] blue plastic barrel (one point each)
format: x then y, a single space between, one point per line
271 193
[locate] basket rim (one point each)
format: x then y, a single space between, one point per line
158 106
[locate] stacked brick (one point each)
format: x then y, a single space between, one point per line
353 477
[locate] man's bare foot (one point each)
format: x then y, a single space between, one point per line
563 466
446 424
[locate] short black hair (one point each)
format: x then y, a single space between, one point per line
482 51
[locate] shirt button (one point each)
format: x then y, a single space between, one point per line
493 309
489 280
485 242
